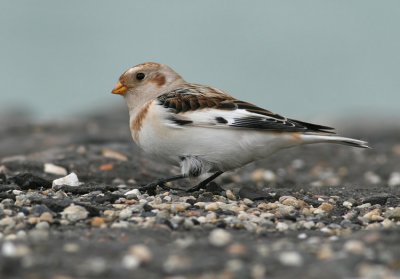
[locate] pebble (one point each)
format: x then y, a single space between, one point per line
141 252
327 207
75 213
212 206
393 214
373 215
17 192
7 221
325 252
292 201
258 271
130 262
280 226
175 263
387 223
97 222
372 177
179 207
12 250
47 217
71 247
134 193
230 195
95 266
247 201
112 154
302 236
298 164
347 204
219 237
364 205
42 226
261 175
267 206
237 249
120 225
319 211
354 247
308 225
290 258
235 266
54 169
69 180
125 213
394 179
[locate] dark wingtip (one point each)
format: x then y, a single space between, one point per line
314 127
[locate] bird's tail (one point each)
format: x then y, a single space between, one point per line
334 139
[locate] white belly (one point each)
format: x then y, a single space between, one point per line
225 148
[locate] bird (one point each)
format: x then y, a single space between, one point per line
204 130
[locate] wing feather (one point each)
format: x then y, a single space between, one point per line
197 105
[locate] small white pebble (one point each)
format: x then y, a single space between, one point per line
12 250
212 206
247 201
291 258
53 169
125 213
372 177
280 226
42 226
354 247
230 195
70 180
394 179
141 252
133 192
71 247
347 204
120 225
302 236
364 205
74 213
130 262
17 192
219 237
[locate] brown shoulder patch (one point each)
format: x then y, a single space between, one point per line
138 121
296 137
159 80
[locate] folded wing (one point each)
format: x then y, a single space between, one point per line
198 105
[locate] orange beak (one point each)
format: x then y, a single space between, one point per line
119 89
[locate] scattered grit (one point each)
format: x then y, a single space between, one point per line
72 210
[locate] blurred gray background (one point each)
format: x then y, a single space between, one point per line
303 59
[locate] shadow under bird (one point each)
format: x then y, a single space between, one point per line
205 130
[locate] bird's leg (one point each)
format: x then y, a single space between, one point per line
205 182
160 182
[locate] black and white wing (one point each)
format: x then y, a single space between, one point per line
198 105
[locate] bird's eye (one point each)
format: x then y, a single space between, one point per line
140 76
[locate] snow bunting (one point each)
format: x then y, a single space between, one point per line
203 129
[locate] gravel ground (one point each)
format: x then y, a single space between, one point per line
322 211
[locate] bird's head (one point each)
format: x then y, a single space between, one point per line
146 81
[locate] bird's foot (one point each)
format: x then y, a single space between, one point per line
208 187
205 182
151 187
